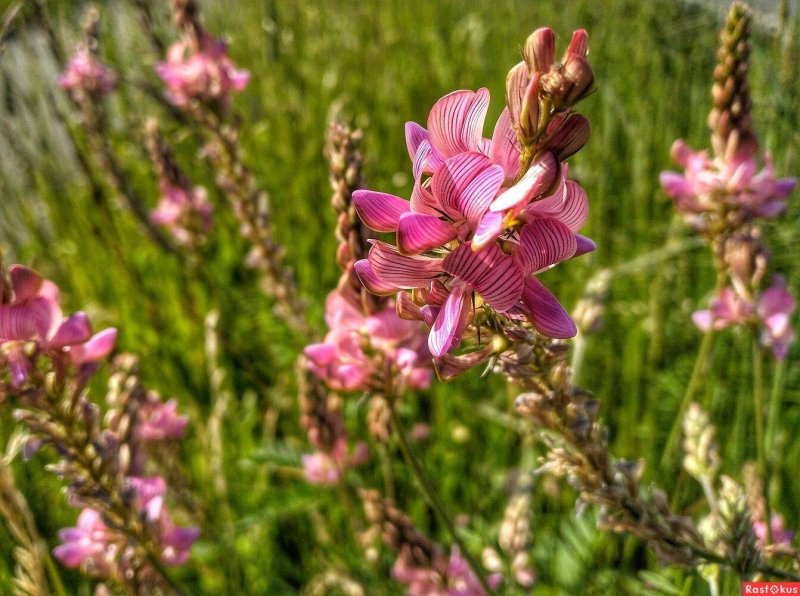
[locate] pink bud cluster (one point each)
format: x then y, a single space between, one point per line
101 551
724 193
487 214
185 212
445 577
32 324
86 77
200 70
771 311
361 352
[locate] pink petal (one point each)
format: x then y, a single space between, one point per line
415 134
425 160
402 271
576 207
98 347
579 44
321 354
516 84
784 187
547 314
505 149
71 554
418 232
675 185
542 243
488 230
474 200
454 177
371 281
423 201
25 283
74 330
703 319
535 181
449 324
540 49
455 123
584 245
490 271
379 210
572 135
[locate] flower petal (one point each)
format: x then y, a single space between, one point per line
452 180
536 180
418 232
488 230
516 84
505 149
379 210
540 49
455 123
490 271
415 134
76 329
371 281
402 271
449 324
25 283
542 243
547 314
96 348
584 245
570 137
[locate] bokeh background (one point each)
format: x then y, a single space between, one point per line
381 63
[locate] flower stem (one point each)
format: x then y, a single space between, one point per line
433 497
758 406
694 383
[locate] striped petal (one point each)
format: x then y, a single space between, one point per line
76 329
25 283
379 210
516 84
423 201
488 230
418 232
450 322
542 243
536 180
402 271
570 137
455 123
425 160
546 313
371 281
505 149
574 208
415 134
454 178
490 271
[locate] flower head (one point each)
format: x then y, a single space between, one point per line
86 76
186 212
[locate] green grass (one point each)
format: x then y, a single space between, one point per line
381 64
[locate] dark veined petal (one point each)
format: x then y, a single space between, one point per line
490 271
424 160
570 137
572 211
473 202
540 49
418 232
516 84
455 123
379 210
536 180
371 281
452 180
450 322
423 201
542 243
488 230
546 313
505 149
25 282
402 271
415 134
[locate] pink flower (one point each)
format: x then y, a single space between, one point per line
726 310
34 314
206 74
445 577
85 74
708 184
327 468
774 307
160 421
90 544
357 350
780 535
185 212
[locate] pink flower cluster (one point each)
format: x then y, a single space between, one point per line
85 75
780 535
186 212
32 323
360 352
205 73
772 310
732 188
477 229
445 577
100 550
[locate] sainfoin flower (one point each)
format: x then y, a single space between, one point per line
205 73
327 468
160 421
732 189
476 230
445 577
186 212
771 310
34 315
780 535
360 350
85 74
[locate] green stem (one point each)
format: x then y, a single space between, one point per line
758 406
433 497
694 383
54 575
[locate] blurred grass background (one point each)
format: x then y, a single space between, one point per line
382 63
